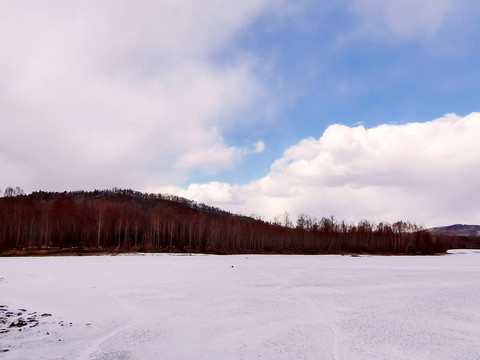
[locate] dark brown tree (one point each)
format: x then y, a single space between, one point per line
125 220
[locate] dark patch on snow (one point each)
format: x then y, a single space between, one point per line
10 320
19 323
112 355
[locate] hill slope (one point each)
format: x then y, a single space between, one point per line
125 220
458 230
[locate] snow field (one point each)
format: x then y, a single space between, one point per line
161 306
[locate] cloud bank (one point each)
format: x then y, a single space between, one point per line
144 94
423 172
111 94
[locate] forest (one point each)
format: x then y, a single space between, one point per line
119 220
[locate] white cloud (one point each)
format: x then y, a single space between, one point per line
259 147
423 172
209 158
217 155
100 94
404 19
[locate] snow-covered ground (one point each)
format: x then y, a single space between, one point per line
241 307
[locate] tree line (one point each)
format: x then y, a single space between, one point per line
126 220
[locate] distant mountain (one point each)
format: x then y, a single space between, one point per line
457 230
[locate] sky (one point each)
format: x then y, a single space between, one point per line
356 109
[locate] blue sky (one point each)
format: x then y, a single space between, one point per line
323 74
333 108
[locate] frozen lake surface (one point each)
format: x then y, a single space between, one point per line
241 307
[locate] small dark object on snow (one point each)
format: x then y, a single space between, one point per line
20 322
3 350
23 310
46 314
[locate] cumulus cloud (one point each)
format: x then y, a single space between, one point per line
423 172
101 94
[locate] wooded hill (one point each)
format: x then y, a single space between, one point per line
459 236
129 221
